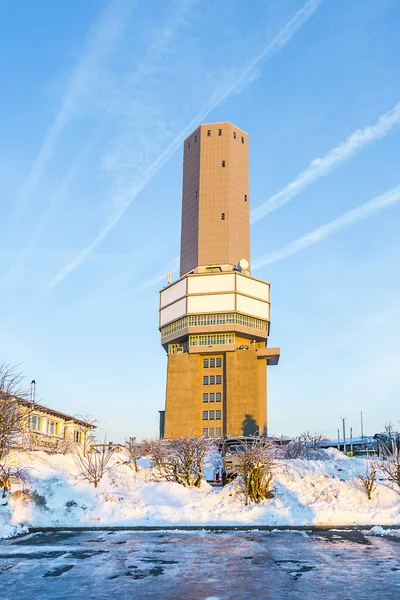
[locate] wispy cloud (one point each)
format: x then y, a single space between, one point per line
100 42
354 336
364 211
171 267
320 167
126 196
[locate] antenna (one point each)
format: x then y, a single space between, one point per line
169 277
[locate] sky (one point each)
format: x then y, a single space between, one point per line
97 97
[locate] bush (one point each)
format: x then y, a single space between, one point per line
367 481
255 466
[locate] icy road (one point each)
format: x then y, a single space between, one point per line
201 565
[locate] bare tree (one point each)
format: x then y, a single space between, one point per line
93 463
10 473
13 417
181 460
390 463
135 451
367 482
255 465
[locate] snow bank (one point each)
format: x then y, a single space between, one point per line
306 493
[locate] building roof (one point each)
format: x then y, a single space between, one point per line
55 413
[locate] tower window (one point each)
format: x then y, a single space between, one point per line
195 138
218 431
212 362
218 395
188 145
205 432
211 415
212 379
223 216
212 397
242 140
205 380
218 362
205 363
234 135
223 163
196 196
212 432
245 197
205 415
218 379
205 397
219 131
218 414
208 132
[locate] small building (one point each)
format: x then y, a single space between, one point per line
52 430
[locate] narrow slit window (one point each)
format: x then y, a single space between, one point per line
223 163
219 131
223 216
188 145
245 197
234 135
196 196
242 140
208 132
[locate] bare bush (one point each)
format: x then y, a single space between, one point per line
292 450
10 473
93 463
255 465
367 482
390 463
181 460
135 451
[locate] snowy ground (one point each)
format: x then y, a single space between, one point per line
306 493
201 566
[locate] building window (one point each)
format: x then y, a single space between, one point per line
205 363
223 163
211 415
34 422
223 216
188 145
51 427
217 414
212 432
242 140
218 379
205 397
205 380
219 131
77 436
212 397
218 431
205 432
212 362
208 132
212 339
196 196
245 197
205 415
195 138
218 362
234 135
212 380
218 397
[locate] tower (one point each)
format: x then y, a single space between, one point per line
214 321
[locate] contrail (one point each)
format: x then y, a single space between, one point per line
107 30
172 266
281 40
364 211
328 163
354 336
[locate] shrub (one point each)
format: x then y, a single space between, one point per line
255 466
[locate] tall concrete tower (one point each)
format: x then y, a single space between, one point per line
214 321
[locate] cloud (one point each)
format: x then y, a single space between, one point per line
125 197
353 336
364 211
100 42
320 167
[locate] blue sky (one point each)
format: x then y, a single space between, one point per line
96 100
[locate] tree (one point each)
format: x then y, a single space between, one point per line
367 482
181 460
135 451
12 420
93 463
255 465
390 463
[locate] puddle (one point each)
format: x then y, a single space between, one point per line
340 537
57 571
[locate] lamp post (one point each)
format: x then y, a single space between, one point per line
344 434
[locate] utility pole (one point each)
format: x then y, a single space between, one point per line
338 440
344 434
351 440
362 426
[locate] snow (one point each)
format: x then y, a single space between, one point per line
306 492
